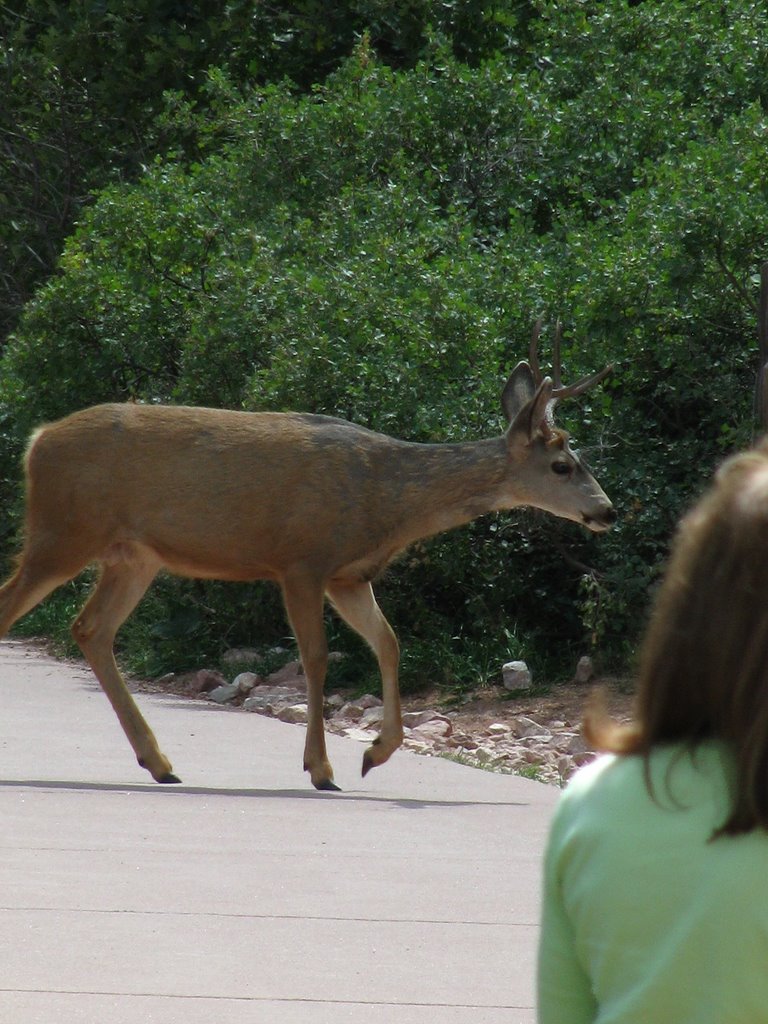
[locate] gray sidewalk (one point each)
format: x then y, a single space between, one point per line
244 895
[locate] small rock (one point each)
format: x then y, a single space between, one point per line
413 719
532 756
523 726
484 755
355 709
435 729
204 681
264 698
572 743
364 735
352 712
223 694
417 746
497 729
516 675
586 757
246 681
372 716
539 740
292 673
296 714
585 670
369 701
460 739
503 757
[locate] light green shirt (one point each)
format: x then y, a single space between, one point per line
645 921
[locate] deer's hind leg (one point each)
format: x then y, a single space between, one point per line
122 584
356 604
40 570
304 599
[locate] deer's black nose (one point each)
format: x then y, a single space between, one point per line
602 521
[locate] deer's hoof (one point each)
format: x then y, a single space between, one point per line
327 786
380 751
162 772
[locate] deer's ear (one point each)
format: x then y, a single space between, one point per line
518 391
525 405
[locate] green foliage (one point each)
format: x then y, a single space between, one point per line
84 87
377 247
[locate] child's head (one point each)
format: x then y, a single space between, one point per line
704 662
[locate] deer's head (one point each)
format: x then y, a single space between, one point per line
548 473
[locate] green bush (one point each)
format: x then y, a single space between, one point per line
378 248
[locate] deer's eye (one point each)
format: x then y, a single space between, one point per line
561 468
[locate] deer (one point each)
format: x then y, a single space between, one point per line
314 503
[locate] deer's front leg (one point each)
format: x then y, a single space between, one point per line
304 605
118 591
356 604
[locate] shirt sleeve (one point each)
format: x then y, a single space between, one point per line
564 991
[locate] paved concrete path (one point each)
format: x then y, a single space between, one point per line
243 895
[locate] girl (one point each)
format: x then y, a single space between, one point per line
656 874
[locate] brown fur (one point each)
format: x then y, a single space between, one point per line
316 504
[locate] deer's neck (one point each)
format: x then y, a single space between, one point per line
438 487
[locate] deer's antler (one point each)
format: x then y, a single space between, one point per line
560 390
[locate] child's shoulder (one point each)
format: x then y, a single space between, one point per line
592 774
609 780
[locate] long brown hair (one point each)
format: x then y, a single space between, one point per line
703 670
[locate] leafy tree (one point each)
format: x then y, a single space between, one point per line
84 87
378 246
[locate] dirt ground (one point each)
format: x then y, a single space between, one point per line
562 703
